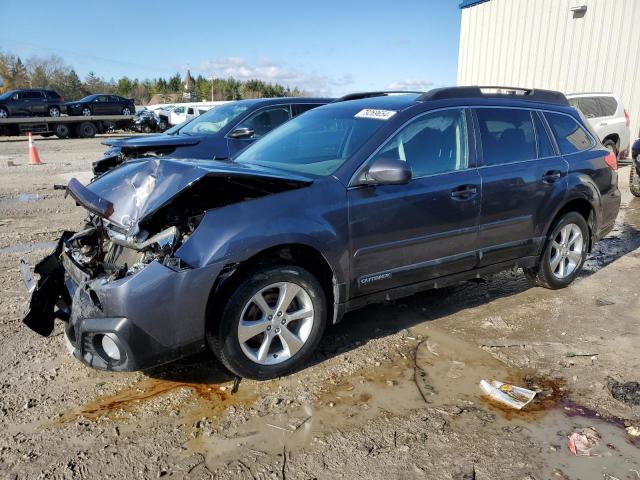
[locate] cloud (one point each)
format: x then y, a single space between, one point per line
413 85
273 72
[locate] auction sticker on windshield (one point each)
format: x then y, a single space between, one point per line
375 114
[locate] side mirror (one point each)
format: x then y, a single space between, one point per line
387 171
242 132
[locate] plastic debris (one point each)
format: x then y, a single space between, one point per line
510 395
633 430
583 442
628 392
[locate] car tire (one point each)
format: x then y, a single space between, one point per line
61 130
4 113
611 146
564 253
126 111
634 181
243 358
162 126
54 111
86 130
86 112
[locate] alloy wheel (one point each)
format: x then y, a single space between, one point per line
86 112
126 111
54 112
3 113
276 323
567 249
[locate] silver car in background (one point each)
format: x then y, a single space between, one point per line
608 119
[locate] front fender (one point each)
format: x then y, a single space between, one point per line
315 216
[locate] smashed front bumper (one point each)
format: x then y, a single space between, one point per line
151 317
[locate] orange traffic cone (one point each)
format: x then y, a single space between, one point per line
34 158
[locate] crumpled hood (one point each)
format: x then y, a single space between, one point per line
130 193
154 141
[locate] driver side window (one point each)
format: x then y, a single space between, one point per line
263 121
431 144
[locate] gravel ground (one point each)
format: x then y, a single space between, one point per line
391 393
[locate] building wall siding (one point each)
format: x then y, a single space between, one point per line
539 43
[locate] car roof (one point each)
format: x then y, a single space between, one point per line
395 102
261 102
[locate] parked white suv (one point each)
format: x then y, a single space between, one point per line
608 119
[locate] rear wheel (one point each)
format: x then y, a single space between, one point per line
61 130
611 146
634 181
86 130
54 111
271 323
564 254
126 111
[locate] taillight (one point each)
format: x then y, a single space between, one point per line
627 118
611 160
62 99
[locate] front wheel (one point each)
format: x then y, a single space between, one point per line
271 323
4 113
86 112
634 181
564 254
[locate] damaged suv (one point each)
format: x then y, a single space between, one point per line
372 197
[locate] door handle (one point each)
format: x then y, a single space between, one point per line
552 176
464 192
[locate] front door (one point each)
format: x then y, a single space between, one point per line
522 179
403 234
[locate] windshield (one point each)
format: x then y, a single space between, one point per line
6 95
215 119
318 142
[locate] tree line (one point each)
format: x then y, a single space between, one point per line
54 73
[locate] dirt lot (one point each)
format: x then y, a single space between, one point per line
392 393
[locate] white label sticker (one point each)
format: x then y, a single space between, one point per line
375 114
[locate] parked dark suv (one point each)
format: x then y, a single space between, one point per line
219 133
101 104
370 198
29 102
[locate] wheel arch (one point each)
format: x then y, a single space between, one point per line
300 254
584 206
614 137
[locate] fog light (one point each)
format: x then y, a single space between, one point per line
110 348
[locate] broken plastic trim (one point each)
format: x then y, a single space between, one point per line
89 200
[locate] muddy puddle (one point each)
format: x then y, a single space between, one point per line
438 370
213 397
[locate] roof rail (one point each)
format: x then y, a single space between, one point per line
529 94
382 93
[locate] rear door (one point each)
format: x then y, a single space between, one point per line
38 102
403 234
523 180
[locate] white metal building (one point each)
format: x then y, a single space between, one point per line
573 46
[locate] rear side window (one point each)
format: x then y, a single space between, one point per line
507 135
545 148
433 143
589 106
570 135
300 108
609 106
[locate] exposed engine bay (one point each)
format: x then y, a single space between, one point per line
144 211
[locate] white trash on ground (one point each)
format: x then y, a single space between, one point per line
510 395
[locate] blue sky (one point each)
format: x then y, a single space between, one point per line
324 46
